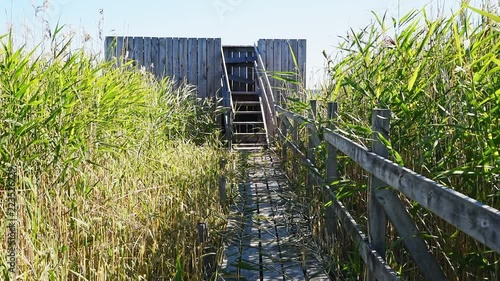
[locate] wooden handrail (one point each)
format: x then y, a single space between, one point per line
476 219
452 206
226 82
267 91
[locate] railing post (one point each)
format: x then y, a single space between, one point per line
295 140
222 183
310 142
376 216
331 172
284 129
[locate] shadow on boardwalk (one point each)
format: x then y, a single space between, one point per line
268 234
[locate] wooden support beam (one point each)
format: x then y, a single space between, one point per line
331 173
377 221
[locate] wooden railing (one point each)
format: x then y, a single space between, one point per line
267 96
227 102
472 217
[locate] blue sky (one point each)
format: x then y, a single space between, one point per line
243 22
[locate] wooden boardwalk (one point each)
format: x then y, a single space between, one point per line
268 236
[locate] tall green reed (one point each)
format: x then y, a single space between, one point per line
115 169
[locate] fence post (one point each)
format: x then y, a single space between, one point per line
377 219
310 143
295 140
331 172
222 183
284 130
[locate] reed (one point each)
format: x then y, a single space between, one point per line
114 170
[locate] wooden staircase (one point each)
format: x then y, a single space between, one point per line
249 129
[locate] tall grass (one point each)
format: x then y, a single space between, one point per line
440 78
114 169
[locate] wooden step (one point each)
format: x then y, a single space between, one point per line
249 138
243 93
250 134
248 112
247 102
248 123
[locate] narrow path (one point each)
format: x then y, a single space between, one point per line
268 234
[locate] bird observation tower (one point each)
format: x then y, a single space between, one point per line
242 77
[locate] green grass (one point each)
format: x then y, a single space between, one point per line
441 81
114 169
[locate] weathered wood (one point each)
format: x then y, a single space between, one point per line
139 51
377 221
155 57
301 60
183 60
372 259
176 67
240 79
243 59
130 50
480 221
374 262
311 143
284 152
211 72
277 254
169 58
331 173
120 48
192 61
202 68
146 62
222 183
162 58
217 64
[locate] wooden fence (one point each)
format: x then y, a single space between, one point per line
198 61
277 57
472 217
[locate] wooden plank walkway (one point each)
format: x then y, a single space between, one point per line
268 236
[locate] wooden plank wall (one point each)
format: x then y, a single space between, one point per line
244 70
198 61
277 57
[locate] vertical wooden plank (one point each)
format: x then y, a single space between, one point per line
183 59
302 61
285 55
217 64
130 49
109 48
176 69
376 216
277 65
210 68
202 67
192 61
155 56
169 58
131 45
269 60
162 58
261 46
139 51
119 51
147 53
331 174
295 49
311 146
